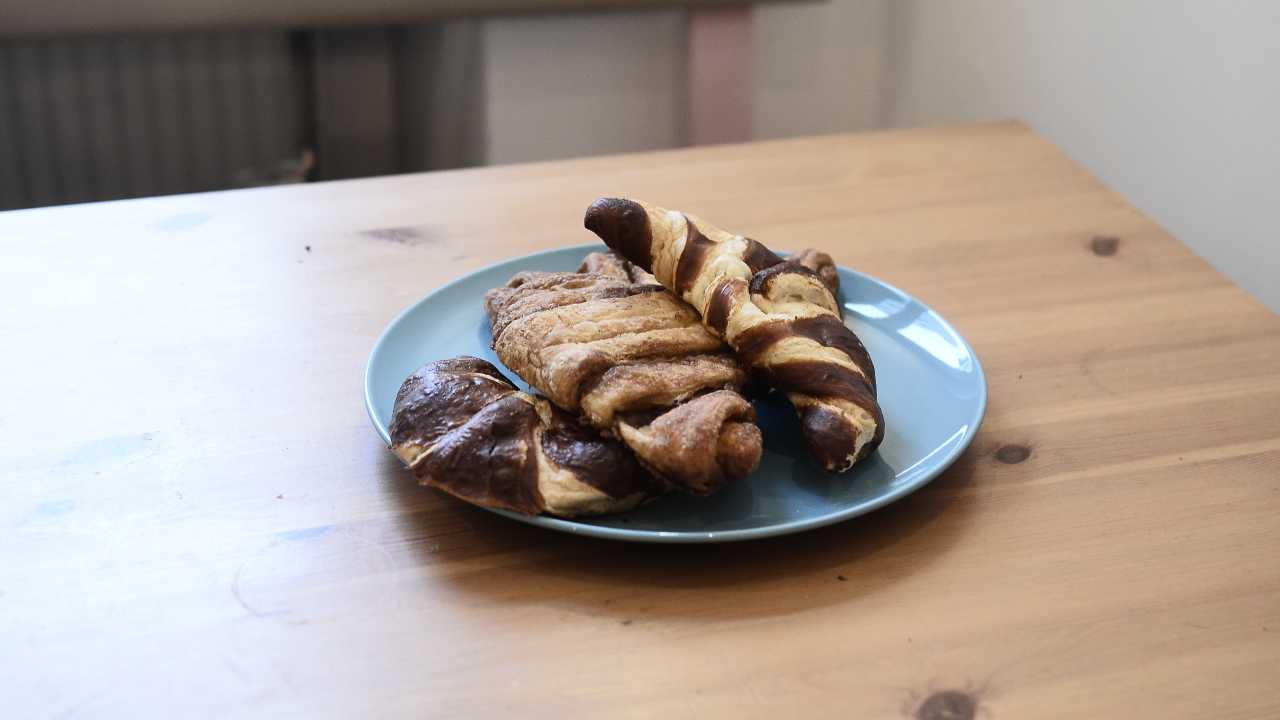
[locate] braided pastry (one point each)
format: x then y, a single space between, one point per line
464 428
781 318
633 361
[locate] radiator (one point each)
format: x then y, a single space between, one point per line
104 118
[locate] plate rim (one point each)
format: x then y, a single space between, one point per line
574 527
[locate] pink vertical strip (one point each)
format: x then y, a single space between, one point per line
719 72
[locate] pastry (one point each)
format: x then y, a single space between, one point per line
633 361
821 264
611 264
464 428
781 318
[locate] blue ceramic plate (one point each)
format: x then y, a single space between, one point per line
930 386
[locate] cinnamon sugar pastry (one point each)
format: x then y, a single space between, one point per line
633 361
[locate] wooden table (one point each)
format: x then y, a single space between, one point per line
199 521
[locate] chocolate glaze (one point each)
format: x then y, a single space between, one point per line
624 226
828 435
481 432
491 460
442 396
830 331
762 280
824 379
720 303
758 257
607 466
826 330
752 343
689 266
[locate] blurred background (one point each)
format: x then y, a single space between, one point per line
1176 105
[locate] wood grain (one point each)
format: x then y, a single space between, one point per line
199 521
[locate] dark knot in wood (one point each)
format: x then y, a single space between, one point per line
1104 245
948 705
1013 454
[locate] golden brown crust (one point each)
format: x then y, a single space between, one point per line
529 293
781 317
565 345
656 384
624 352
464 428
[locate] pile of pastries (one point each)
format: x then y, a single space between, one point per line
641 360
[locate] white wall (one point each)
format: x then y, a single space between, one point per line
818 66
1176 105
571 85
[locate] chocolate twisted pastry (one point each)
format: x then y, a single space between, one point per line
464 428
633 361
822 264
781 318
